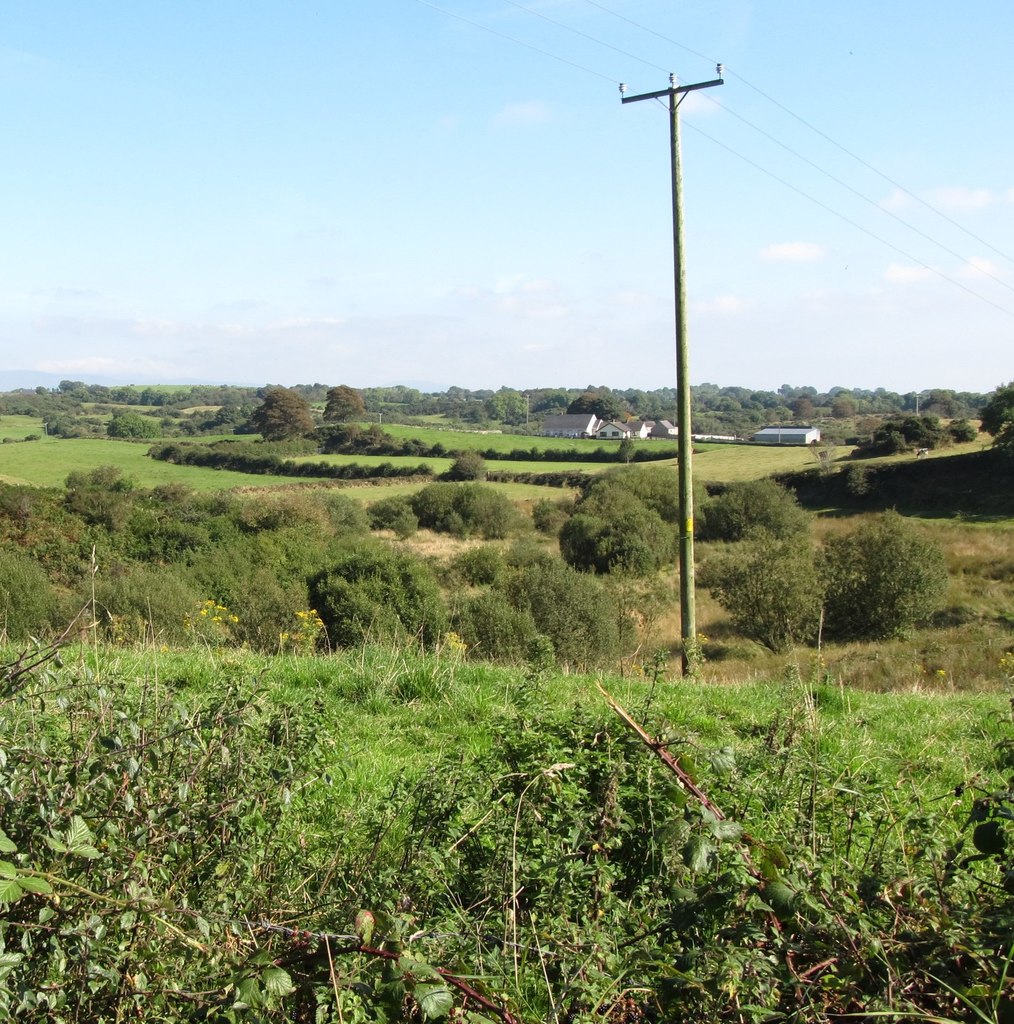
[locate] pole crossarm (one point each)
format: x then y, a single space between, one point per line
673 90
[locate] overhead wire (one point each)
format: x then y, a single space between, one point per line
799 156
781 106
513 39
843 217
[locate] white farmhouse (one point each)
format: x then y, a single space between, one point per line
572 425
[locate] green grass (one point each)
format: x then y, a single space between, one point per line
20 426
48 461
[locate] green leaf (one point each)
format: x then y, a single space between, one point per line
723 761
697 854
781 898
10 890
79 839
36 885
277 982
725 829
6 846
7 869
434 1000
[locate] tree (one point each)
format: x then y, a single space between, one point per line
997 417
343 404
600 401
282 414
881 580
132 424
771 590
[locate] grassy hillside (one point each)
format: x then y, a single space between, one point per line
381 837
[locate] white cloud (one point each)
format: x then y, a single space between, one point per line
955 198
721 304
978 267
961 198
793 252
533 112
899 273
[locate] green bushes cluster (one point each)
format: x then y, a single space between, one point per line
877 581
749 509
265 458
623 522
375 594
464 510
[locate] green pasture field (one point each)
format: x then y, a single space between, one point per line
48 461
20 426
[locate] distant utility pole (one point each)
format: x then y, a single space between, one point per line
688 626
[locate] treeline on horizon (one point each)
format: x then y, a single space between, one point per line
74 408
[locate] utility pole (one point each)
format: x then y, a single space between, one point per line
684 442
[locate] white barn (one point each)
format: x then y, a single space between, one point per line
787 435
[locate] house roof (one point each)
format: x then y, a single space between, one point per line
586 421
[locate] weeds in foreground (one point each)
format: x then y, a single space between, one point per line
207 850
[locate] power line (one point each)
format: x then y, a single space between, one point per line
799 156
813 128
512 39
757 166
866 199
848 220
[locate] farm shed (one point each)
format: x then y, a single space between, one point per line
787 435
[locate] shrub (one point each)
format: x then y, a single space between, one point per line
27 601
549 516
571 608
378 594
745 509
636 541
464 510
141 604
394 514
494 630
480 566
961 431
772 591
132 424
469 465
881 579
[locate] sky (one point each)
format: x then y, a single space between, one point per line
451 192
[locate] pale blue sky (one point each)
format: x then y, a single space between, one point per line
448 193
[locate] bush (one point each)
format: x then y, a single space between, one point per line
961 431
27 601
496 631
464 510
144 605
743 510
480 566
636 542
394 514
373 593
571 608
772 591
881 580
469 465
549 516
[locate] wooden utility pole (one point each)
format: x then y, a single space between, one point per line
684 449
